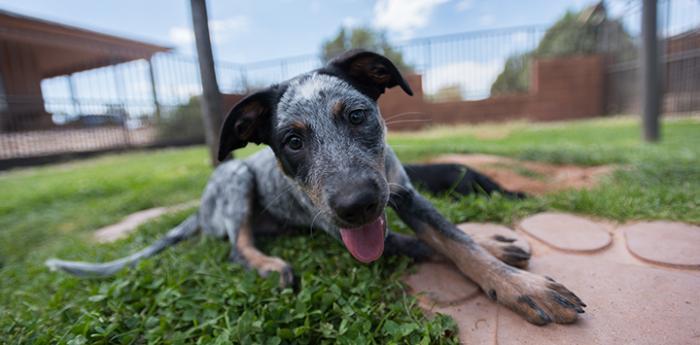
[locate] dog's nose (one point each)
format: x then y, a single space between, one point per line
356 205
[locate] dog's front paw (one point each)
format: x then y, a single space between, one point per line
273 264
540 300
512 251
265 265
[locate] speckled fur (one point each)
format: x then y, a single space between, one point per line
275 190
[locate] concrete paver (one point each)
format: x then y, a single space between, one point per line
665 243
640 282
566 232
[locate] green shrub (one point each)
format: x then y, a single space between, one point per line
184 124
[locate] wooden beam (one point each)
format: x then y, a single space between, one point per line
650 69
211 97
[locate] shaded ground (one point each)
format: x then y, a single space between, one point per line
531 177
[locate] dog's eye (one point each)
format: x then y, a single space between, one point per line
295 143
356 117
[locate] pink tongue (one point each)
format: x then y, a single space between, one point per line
365 243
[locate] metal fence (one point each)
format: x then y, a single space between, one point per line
679 33
153 101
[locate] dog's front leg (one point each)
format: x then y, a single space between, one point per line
538 299
227 211
248 255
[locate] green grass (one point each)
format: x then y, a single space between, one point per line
188 294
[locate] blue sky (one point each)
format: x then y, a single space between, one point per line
245 31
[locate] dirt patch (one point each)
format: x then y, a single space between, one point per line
530 177
119 230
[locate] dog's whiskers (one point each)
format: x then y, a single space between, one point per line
395 116
311 227
277 198
407 121
396 185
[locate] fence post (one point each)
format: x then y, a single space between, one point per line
73 93
651 88
211 97
154 88
121 104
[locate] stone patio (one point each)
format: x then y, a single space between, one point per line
641 282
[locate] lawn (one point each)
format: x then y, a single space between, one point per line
189 294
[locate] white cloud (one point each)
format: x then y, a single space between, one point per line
464 5
350 22
221 31
403 16
181 35
474 78
486 19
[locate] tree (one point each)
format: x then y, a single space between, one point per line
587 32
363 38
515 76
184 124
447 93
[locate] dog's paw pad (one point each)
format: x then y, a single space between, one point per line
533 312
285 271
501 238
509 250
542 300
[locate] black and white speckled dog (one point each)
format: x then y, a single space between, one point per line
328 167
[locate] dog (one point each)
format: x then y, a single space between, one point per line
327 166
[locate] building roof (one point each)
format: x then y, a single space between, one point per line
63 49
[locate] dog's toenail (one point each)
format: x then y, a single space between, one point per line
492 295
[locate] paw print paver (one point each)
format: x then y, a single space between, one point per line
665 243
483 231
566 232
641 285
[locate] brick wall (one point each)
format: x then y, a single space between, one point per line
561 89
565 88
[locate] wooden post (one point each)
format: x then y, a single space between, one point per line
211 97
651 86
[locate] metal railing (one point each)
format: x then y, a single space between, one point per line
153 102
679 32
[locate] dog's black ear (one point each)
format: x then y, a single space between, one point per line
369 72
248 121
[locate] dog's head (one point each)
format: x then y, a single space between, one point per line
327 134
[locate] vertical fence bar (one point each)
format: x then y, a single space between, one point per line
120 104
154 88
73 94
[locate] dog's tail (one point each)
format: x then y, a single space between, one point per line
183 231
